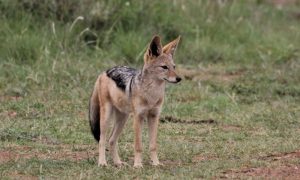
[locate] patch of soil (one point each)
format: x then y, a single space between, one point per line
280 172
55 152
282 156
285 169
6 156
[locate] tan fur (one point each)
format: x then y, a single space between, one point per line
144 102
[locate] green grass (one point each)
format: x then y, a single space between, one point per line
245 55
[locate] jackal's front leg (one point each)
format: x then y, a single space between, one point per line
138 124
153 120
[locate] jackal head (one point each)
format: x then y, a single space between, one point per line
158 60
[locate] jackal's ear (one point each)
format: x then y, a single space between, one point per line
155 47
171 46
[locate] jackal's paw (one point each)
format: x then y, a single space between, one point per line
102 164
138 165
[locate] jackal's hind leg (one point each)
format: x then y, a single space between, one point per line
105 114
120 120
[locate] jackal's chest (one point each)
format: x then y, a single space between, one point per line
147 100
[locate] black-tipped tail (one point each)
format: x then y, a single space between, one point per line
94 117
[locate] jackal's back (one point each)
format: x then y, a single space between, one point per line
122 75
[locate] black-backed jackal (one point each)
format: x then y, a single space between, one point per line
122 90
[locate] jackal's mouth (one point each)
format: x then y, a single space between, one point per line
174 82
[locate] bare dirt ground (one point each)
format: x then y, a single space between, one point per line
17 153
280 168
55 152
280 172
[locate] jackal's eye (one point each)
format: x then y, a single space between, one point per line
164 67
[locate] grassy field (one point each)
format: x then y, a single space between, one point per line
235 114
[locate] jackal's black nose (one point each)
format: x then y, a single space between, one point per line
178 79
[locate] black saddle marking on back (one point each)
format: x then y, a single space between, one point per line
121 75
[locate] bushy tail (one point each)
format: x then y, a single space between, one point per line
94 115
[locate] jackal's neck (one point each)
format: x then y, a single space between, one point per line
149 80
